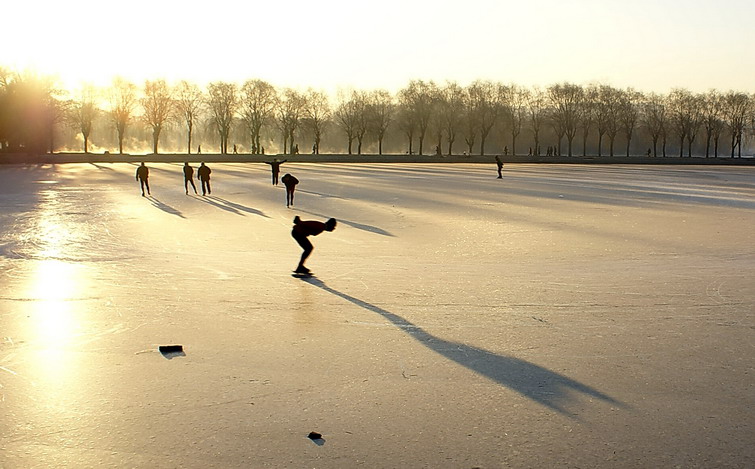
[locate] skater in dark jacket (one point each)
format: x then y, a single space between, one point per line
499 163
203 173
275 167
142 175
290 182
189 178
302 230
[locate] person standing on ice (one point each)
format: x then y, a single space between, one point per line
203 173
499 163
142 175
189 178
275 167
302 230
290 182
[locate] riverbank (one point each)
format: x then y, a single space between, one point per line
61 158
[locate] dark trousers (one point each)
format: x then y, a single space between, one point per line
206 186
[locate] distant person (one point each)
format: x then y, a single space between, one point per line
235 149
648 153
499 163
506 150
302 230
199 149
203 173
189 178
290 182
142 175
530 153
275 167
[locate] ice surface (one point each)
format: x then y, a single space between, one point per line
563 316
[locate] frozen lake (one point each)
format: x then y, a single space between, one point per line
563 316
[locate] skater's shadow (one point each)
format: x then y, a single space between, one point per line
353 224
544 386
239 207
165 207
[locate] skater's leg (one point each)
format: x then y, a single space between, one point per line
193 186
186 185
146 183
306 245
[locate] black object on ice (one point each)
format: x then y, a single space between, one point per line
170 351
171 348
316 438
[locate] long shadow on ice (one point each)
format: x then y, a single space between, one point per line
239 207
165 207
546 387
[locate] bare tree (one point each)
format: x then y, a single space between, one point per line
736 110
654 119
346 115
485 100
536 105
360 129
451 111
712 120
158 107
317 112
188 102
222 102
258 103
380 111
566 99
608 115
83 112
587 114
515 106
407 123
417 99
685 116
629 113
122 97
290 111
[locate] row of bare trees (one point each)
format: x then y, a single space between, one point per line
448 116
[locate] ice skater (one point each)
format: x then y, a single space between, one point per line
142 175
203 173
499 163
290 182
302 230
275 167
189 178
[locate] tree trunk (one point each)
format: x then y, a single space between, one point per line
155 139
707 145
188 141
513 144
600 144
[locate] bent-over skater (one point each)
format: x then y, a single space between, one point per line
203 173
290 182
142 175
275 167
302 230
189 178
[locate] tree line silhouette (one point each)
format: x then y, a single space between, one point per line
563 119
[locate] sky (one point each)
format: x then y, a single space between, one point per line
651 45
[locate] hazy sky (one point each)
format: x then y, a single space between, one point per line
652 45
